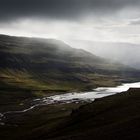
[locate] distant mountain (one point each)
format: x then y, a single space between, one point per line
126 53
48 64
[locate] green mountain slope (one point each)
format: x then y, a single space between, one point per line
47 64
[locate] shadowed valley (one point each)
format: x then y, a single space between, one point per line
32 68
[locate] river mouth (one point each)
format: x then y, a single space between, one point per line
72 98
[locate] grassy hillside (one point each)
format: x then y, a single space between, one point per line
31 68
47 64
112 118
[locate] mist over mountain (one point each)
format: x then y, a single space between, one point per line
57 58
125 53
49 64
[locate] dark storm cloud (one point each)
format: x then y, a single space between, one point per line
65 9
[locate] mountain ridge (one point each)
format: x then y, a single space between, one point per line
56 65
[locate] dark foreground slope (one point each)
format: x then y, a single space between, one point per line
112 118
48 64
31 67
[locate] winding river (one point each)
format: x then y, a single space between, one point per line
92 95
75 97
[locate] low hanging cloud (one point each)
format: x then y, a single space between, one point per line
61 9
135 22
93 25
99 20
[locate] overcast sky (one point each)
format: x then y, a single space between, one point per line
94 20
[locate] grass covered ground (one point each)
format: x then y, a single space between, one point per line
53 66
110 118
32 68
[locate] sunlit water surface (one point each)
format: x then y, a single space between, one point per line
74 97
92 95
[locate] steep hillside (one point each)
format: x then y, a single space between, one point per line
112 118
126 53
47 64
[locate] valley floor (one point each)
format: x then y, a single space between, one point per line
111 118
115 117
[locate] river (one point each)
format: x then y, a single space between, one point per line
92 95
75 97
